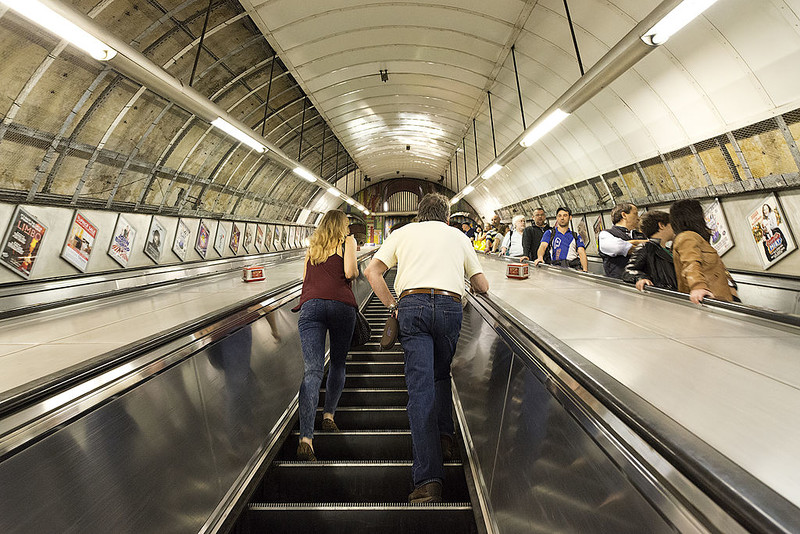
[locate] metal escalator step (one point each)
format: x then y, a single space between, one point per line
376 356
369 397
353 445
346 518
375 368
351 481
375 381
369 418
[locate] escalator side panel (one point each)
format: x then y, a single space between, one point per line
548 475
160 457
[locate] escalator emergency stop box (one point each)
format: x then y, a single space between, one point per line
517 270
254 273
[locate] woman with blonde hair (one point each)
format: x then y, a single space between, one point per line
327 305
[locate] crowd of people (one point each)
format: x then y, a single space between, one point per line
660 249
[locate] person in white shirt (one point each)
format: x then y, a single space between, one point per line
432 261
512 242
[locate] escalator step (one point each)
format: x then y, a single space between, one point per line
370 397
345 518
351 481
372 355
375 368
372 418
353 445
375 381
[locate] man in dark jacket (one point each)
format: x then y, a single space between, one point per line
616 243
651 262
532 235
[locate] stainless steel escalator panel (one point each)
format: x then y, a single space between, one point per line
351 481
345 518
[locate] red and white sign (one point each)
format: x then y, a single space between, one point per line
517 270
253 273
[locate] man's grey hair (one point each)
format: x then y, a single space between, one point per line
516 219
434 207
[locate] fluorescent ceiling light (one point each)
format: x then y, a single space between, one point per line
366 211
492 170
454 200
304 173
467 190
385 206
543 127
350 201
676 19
62 27
237 134
333 191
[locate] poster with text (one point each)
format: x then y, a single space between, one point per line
285 238
201 243
156 236
583 229
771 233
269 246
260 237
22 243
277 240
122 241
80 242
222 239
292 236
236 238
247 240
721 238
597 227
183 237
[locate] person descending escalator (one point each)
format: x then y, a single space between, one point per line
327 305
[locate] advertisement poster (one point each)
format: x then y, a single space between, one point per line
268 236
156 236
583 229
721 238
598 227
236 238
80 242
277 239
292 237
259 237
122 242
284 238
22 243
771 232
201 243
182 238
222 238
247 240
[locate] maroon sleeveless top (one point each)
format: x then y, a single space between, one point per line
327 281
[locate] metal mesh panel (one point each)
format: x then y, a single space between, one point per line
657 176
765 149
403 201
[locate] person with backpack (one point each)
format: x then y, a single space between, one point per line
566 247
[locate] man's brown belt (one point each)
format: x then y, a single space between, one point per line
430 291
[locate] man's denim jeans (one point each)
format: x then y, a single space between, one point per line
317 318
429 330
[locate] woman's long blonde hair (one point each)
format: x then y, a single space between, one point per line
328 236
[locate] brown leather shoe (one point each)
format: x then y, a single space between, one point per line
430 492
305 453
328 425
448 447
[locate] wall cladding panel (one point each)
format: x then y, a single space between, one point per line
686 169
718 169
765 149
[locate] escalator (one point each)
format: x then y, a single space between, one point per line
362 477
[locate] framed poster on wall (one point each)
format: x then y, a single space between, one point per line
122 241
597 227
22 243
180 245
247 239
721 238
269 246
259 238
236 237
201 243
771 233
278 233
80 242
284 238
221 240
583 229
156 236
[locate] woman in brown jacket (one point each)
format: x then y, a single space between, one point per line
698 267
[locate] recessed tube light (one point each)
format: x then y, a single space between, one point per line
237 134
333 191
454 200
467 190
304 173
385 206
45 17
543 127
492 170
366 211
676 19
350 201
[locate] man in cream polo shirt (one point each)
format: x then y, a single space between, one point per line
432 261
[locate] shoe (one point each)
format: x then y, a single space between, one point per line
305 453
328 425
448 447
430 492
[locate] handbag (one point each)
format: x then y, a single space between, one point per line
362 332
390 332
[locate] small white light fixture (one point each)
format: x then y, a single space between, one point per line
304 173
350 201
676 19
237 134
45 17
493 169
333 191
543 127
366 211
467 190
385 206
454 200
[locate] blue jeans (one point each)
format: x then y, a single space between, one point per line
429 330
317 318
